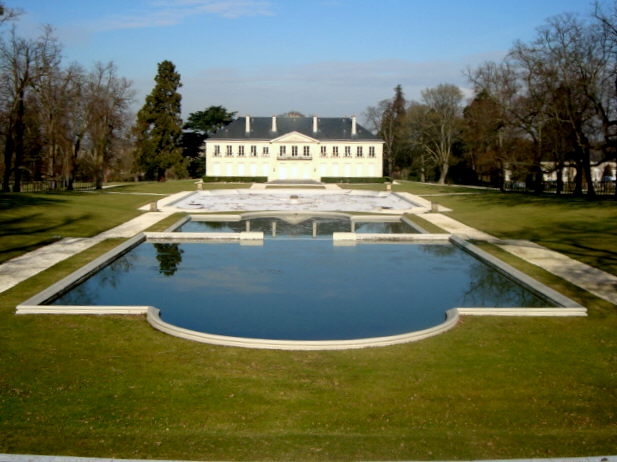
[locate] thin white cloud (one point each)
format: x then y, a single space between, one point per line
163 13
323 88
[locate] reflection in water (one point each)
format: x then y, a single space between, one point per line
297 226
92 290
301 289
485 284
169 257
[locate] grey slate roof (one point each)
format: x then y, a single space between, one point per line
328 128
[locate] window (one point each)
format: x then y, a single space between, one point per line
306 151
294 151
228 153
282 151
347 151
359 151
334 151
265 151
217 150
371 151
253 151
241 151
323 151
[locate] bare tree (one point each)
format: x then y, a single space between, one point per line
8 14
373 116
606 104
23 64
564 64
108 98
381 120
441 125
560 90
521 113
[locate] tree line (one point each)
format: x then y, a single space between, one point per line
64 124
549 105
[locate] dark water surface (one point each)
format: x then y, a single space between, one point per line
278 227
300 289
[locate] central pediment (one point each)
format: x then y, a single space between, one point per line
294 137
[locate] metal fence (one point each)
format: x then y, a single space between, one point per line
602 188
51 185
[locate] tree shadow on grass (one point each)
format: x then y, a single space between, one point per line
27 228
10 200
21 235
587 244
496 198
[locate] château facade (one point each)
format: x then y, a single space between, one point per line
294 148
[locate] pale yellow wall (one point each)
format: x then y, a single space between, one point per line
298 168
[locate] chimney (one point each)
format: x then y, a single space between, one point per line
274 123
353 126
247 128
314 124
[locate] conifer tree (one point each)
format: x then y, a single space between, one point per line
393 129
158 130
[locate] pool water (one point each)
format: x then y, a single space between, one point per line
300 289
321 227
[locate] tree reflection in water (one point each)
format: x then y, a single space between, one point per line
169 257
486 285
88 293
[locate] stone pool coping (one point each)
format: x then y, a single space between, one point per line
47 458
338 237
416 204
35 305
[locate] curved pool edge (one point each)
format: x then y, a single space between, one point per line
153 317
451 319
155 320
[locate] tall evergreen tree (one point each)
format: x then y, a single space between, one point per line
199 126
393 130
159 126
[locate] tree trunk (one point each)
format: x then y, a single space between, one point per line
591 190
73 163
8 161
578 178
443 172
19 143
559 177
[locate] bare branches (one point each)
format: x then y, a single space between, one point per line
50 115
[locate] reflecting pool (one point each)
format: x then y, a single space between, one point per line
300 289
302 226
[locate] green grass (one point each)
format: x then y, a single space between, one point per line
28 221
576 227
489 388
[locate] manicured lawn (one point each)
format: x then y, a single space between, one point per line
584 230
490 388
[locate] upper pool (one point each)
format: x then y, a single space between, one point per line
298 225
318 200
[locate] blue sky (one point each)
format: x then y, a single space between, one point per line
265 57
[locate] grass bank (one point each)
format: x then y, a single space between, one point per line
490 388
579 228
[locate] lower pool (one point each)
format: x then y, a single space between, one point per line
300 289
